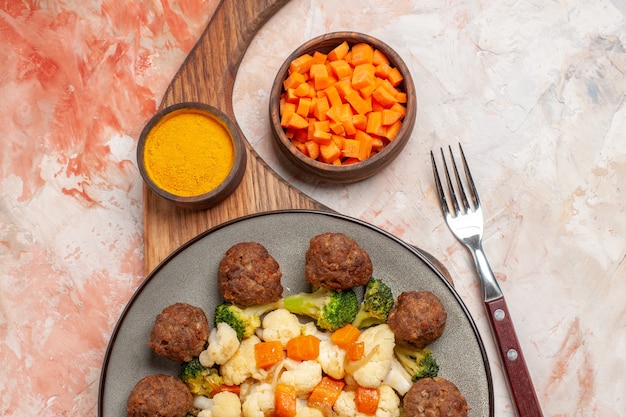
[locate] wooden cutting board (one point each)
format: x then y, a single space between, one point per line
208 76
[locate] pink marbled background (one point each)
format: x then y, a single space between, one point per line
535 91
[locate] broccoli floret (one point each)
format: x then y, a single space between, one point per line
200 379
245 321
331 309
377 302
420 363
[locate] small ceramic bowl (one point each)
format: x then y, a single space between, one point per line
192 155
349 172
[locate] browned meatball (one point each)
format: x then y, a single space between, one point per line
180 332
159 396
417 319
249 275
434 397
336 262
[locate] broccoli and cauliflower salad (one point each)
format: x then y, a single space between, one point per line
319 353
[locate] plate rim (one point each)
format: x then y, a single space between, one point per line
412 248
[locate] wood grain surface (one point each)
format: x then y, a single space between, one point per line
208 76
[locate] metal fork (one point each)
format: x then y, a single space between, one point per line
465 219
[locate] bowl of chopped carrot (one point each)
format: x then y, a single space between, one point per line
342 106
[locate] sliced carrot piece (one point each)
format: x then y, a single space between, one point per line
301 64
366 400
359 104
379 58
395 77
303 348
362 53
390 117
363 76
285 400
326 393
339 52
267 354
330 152
356 350
341 68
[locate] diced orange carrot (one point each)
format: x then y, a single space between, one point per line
345 335
304 107
326 393
366 144
359 121
395 77
303 348
333 96
341 69
379 58
390 117
289 109
356 350
351 148
383 70
267 354
362 53
337 128
297 122
359 104
339 52
366 400
330 152
384 97
319 58
393 130
375 123
339 140
285 400
320 76
303 90
401 97
363 76
320 108
294 80
344 86
300 146
301 64
397 107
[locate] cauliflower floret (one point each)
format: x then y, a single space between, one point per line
306 411
332 359
224 404
243 364
345 406
259 401
371 371
389 402
223 343
310 328
281 325
303 376
398 377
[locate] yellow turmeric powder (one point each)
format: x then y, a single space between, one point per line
188 153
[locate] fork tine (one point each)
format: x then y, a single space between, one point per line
453 197
440 192
470 180
459 182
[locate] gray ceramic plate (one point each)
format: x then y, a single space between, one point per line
189 275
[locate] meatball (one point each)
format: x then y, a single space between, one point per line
417 319
159 395
249 275
434 397
180 332
336 262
